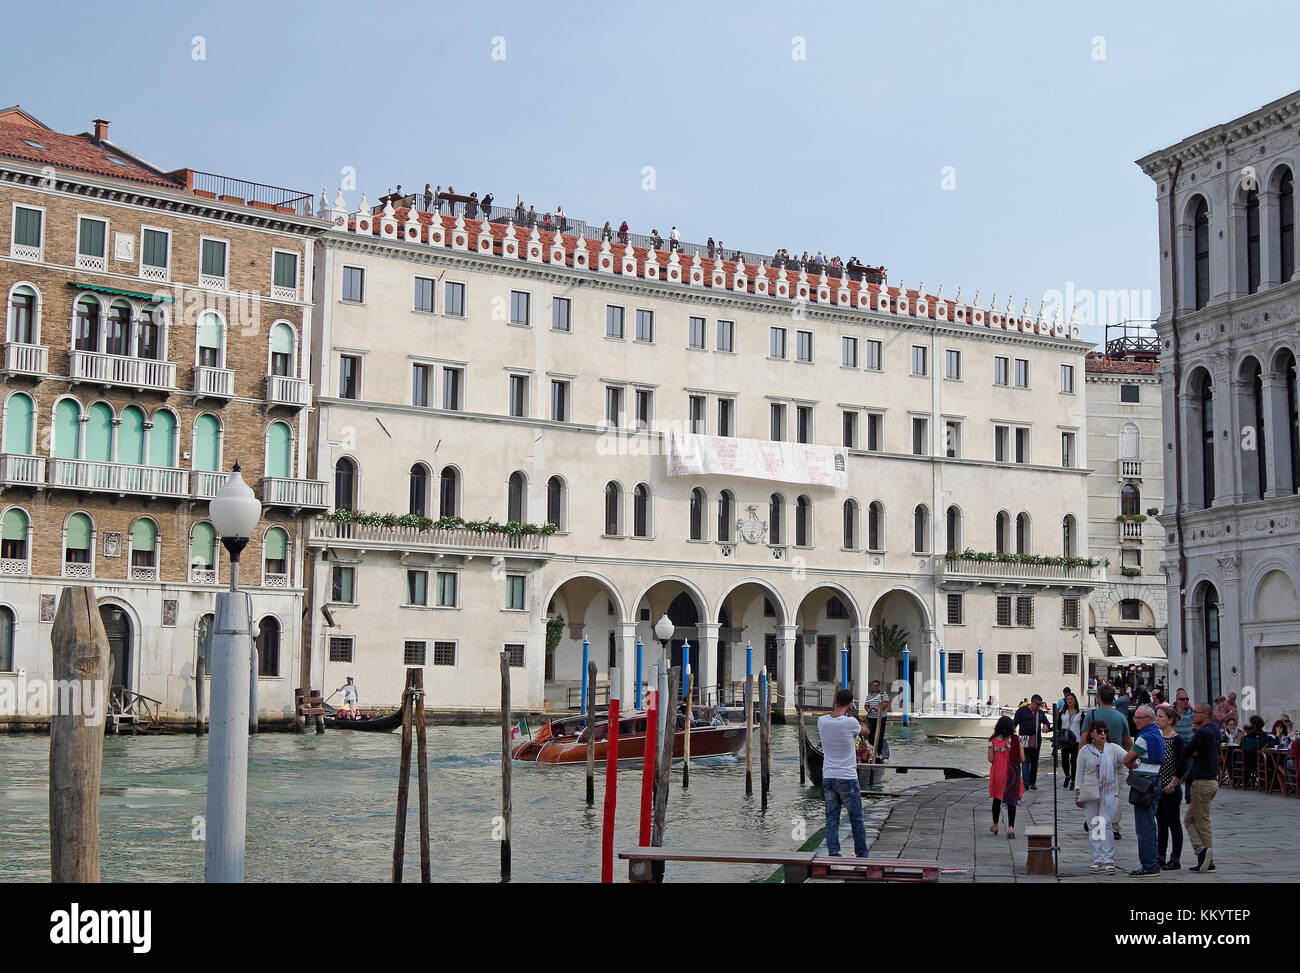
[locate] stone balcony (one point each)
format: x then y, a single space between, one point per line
292 392
214 383
958 572
21 359
137 373
21 471
1130 530
459 541
1130 469
119 478
297 494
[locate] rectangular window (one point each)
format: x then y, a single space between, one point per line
417 587
1130 393
424 294
453 299
451 383
1001 372
726 417
520 308
1130 610
284 271
1003 614
778 422
954 609
28 227
515 653
952 364
804 345
920 436
849 352
613 405
695 333
559 401
519 395
446 589
349 376
613 321
1069 664
92 242
1067 450
1022 445
413 653
726 336
342 587
875 431
952 439
1069 613
1025 611
803 420
212 262
420 385
776 343
515 592
561 314
919 353
1004 663
1022 373
1001 439
644 408
444 653
154 250
695 409
956 663
340 648
850 429
1024 664
1067 378
645 325
874 356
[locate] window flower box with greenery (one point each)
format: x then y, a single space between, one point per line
1044 559
1135 518
416 522
1131 572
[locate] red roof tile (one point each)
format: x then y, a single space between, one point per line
1095 361
78 152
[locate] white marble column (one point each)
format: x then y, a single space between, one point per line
860 640
707 675
627 663
785 636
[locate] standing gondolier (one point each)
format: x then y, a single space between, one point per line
349 690
876 707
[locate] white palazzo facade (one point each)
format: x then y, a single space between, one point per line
489 372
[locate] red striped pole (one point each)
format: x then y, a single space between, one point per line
648 764
611 781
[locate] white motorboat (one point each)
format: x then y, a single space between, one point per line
966 720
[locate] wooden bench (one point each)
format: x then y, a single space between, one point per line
799 866
875 869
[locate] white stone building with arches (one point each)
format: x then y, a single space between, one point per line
1228 330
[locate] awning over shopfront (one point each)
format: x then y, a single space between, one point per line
1142 649
1094 647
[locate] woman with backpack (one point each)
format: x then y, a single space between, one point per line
1005 785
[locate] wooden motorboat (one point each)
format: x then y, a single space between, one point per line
564 741
372 724
870 775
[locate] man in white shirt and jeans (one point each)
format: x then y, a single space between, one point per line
838 731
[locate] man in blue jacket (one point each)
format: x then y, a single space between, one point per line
1029 720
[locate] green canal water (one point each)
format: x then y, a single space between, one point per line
321 808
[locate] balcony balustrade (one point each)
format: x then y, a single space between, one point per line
1130 469
154 481
961 568
214 382
137 373
284 390
20 470
15 567
408 538
21 359
1130 530
204 485
280 491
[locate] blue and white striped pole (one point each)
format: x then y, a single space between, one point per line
686 664
636 685
907 685
844 667
943 676
586 652
981 673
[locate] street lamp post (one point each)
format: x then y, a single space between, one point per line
664 629
235 513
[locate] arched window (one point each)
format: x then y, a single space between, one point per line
613 507
85 327
1212 643
20 428
14 532
1288 370
203 554
1201 245
517 497
78 550
210 346
268 646
1286 227
449 492
775 516
144 544
1067 536
279 450
555 502
117 341
1207 441
1253 376
418 502
726 516
67 429
162 439
1252 241
803 522
150 339
641 510
921 529
23 305
207 443
98 444
6 639
1002 532
1130 500
1128 441
699 503
851 524
283 347
1022 533
345 484
275 558
876 526
130 437
952 533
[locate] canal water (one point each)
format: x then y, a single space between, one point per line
321 808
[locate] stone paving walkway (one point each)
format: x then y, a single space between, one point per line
1254 836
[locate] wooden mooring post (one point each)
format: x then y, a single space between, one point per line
591 733
764 737
422 756
200 674
668 715
403 780
749 736
686 739
505 765
76 743
798 709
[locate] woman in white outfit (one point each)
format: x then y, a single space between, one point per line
1097 792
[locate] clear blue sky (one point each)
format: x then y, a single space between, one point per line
843 150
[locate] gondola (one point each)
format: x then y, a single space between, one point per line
870 776
372 724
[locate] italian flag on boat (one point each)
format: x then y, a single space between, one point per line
520 728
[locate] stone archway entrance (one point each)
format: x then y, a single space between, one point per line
117 626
